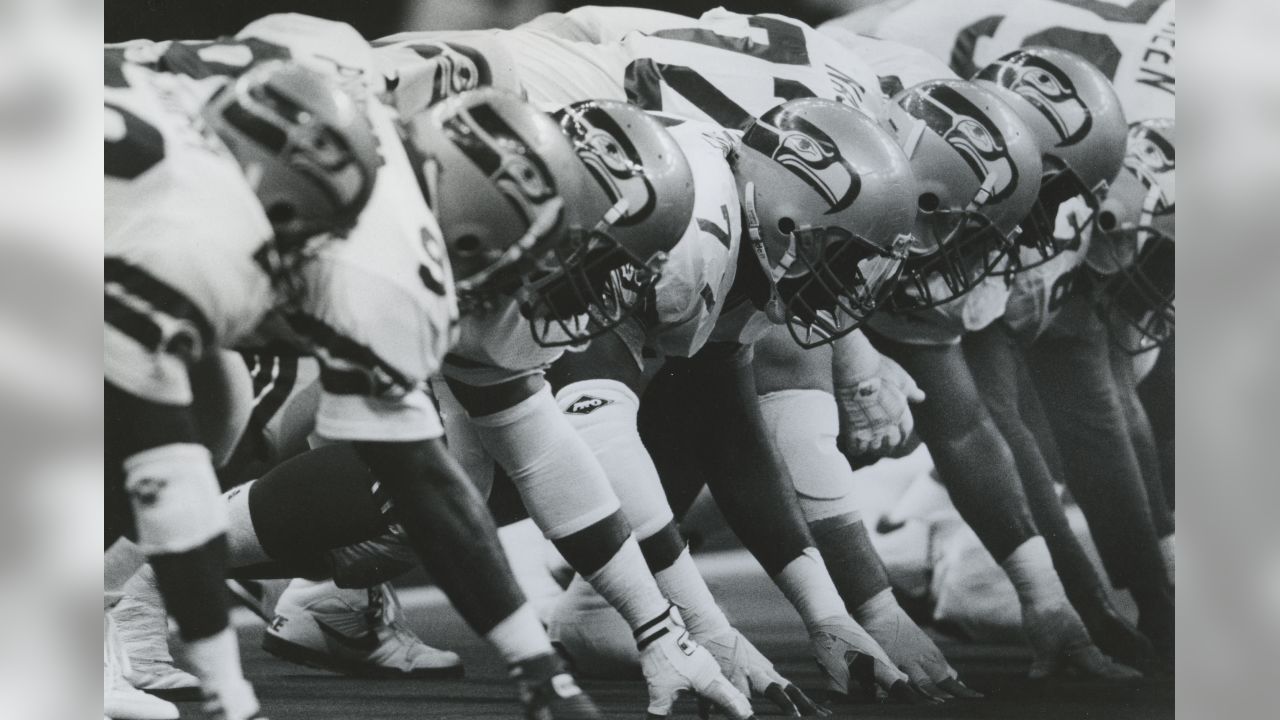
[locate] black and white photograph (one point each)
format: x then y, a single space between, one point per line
544 360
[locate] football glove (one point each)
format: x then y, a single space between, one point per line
855 664
673 663
912 650
752 674
874 413
1059 641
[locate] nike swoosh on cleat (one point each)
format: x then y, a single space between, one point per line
365 642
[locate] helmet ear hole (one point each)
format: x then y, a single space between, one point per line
467 245
786 225
1107 220
928 202
281 214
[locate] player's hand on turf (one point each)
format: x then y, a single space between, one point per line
911 649
1059 642
856 665
753 675
673 663
875 417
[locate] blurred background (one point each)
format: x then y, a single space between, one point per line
50 402
161 19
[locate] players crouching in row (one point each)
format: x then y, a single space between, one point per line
549 262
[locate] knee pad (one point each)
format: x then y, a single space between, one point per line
803 426
176 501
604 414
562 484
464 443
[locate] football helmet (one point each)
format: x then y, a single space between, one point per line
521 216
308 151
977 168
829 203
1073 110
642 181
1133 240
425 68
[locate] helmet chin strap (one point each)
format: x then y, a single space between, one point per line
775 308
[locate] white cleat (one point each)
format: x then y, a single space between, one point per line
352 632
120 700
143 628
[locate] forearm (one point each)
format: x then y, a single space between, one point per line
853 359
747 480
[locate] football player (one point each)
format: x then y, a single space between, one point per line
543 54
825 404
1127 280
925 341
600 389
1133 45
378 315
253 181
526 304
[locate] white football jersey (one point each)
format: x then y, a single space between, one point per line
723 67
497 345
1132 41
729 68
701 267
897 65
181 229
378 306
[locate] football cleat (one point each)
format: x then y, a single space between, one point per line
142 624
120 700
549 692
352 632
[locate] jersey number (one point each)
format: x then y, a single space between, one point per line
785 45
131 146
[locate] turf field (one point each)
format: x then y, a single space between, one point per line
291 692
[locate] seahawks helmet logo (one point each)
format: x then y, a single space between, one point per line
970 133
1049 91
809 154
611 157
481 134
453 69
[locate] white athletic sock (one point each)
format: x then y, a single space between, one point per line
626 583
1030 568
684 586
808 586
216 659
520 636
